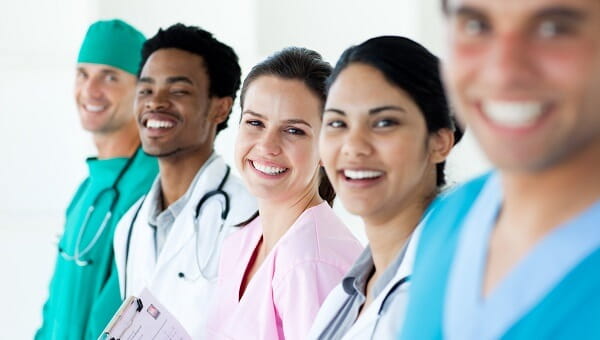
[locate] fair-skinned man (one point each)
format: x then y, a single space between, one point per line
84 290
170 241
522 245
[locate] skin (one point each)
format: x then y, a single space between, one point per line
370 124
545 51
279 127
174 90
104 97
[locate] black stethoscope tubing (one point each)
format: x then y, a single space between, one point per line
218 191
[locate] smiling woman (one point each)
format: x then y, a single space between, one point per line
387 132
275 272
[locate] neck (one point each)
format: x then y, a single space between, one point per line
120 143
388 236
177 173
535 203
277 217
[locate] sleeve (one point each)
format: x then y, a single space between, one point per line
300 293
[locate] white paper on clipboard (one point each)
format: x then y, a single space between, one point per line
141 318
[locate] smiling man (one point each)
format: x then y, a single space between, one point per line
515 254
170 241
84 291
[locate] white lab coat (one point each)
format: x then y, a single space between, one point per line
187 300
372 324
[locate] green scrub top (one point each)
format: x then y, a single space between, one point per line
82 299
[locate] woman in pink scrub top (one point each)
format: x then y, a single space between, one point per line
277 270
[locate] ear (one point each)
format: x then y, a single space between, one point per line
440 145
220 109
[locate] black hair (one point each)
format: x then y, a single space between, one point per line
220 61
411 67
302 64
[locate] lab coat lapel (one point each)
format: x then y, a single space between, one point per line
141 262
184 227
364 325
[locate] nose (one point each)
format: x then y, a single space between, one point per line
356 144
510 64
92 88
270 142
156 101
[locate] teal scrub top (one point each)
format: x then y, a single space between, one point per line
552 293
82 299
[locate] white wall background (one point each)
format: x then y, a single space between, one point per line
44 147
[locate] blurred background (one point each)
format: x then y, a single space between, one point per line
44 159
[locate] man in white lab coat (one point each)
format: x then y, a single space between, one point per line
170 241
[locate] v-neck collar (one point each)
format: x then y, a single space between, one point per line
467 314
254 236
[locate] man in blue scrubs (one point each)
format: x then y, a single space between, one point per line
516 253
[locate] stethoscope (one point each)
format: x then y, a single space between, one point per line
201 268
384 303
78 254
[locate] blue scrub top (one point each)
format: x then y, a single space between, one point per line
552 291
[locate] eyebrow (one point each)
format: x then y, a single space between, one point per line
561 12
287 121
104 70
170 80
372 111
554 11
464 11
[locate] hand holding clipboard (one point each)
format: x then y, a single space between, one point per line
141 318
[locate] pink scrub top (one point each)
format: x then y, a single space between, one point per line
284 295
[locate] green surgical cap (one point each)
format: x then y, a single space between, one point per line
114 43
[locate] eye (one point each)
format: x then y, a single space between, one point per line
111 78
144 92
552 28
254 123
336 124
474 26
179 92
81 75
386 122
295 131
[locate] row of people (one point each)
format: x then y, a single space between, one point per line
379 125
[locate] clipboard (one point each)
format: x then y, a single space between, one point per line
141 318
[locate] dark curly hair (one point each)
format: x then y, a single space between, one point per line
221 62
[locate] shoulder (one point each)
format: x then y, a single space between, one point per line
125 222
318 238
452 206
239 240
144 166
435 254
79 193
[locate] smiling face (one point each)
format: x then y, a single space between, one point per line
104 97
375 146
174 112
276 149
524 75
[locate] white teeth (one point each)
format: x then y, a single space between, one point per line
95 108
513 114
362 174
269 170
158 124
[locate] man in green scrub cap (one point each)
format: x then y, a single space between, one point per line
84 290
